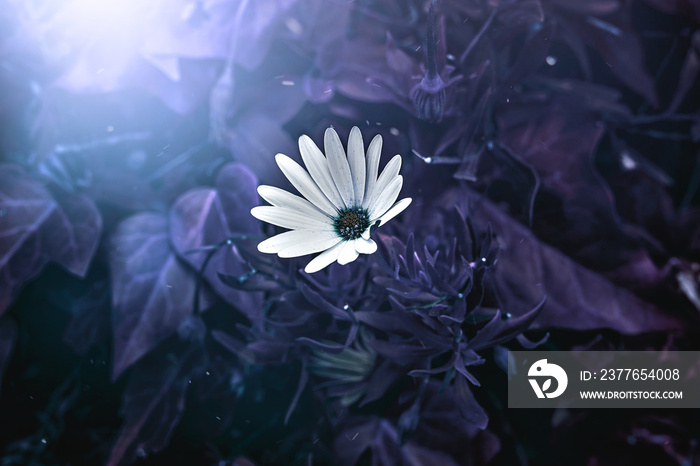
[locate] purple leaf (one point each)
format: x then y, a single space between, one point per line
383 377
8 339
532 56
303 379
590 7
402 352
614 38
577 297
687 8
230 343
250 120
209 217
333 348
689 73
597 98
152 292
36 228
363 70
469 408
278 99
381 438
154 400
558 145
74 232
526 12
255 141
453 422
529 344
256 24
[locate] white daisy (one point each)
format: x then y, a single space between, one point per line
344 198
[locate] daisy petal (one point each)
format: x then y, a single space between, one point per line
324 259
281 198
395 210
288 218
374 152
317 165
276 243
365 246
311 244
356 160
348 253
338 164
389 174
304 184
386 199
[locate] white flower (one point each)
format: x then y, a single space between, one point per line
344 197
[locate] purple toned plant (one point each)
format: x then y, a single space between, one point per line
549 147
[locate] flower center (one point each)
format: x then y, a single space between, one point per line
351 222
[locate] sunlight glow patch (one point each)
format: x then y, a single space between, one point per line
98 39
91 19
106 27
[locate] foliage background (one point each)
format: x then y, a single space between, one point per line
550 147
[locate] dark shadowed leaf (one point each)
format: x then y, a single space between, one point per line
524 12
688 8
590 7
89 324
152 292
533 54
209 217
8 338
470 410
453 422
577 297
558 145
614 38
381 438
689 72
154 399
36 227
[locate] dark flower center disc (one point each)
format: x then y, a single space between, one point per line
351 222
